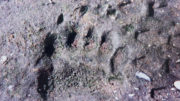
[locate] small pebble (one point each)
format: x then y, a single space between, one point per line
116 98
136 88
178 61
10 87
173 89
142 75
115 91
50 1
3 59
177 84
131 95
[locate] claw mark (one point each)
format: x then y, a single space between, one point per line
113 59
71 37
83 10
151 9
166 66
48 47
169 40
48 44
104 37
124 3
88 36
45 81
90 31
44 77
60 19
136 35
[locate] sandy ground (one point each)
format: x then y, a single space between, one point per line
89 50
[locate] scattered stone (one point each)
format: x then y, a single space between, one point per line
116 98
177 84
51 2
10 87
178 61
131 95
136 88
142 75
173 89
3 59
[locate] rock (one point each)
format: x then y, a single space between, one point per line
3 59
177 84
142 75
